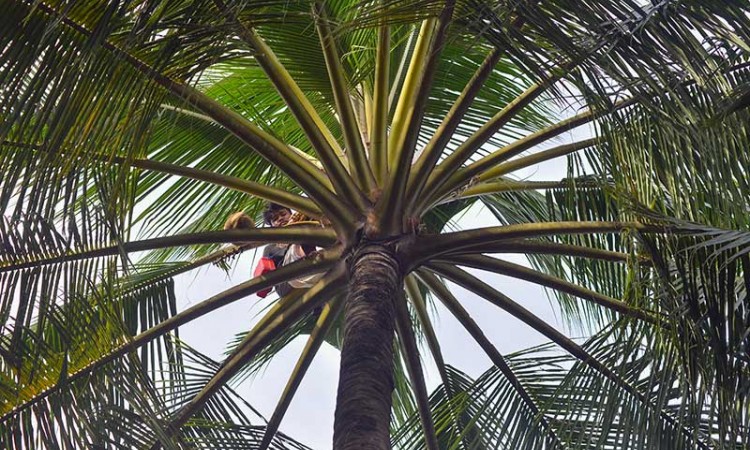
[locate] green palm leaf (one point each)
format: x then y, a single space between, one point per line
130 131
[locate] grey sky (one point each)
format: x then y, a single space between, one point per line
310 416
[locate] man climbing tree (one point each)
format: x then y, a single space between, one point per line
277 255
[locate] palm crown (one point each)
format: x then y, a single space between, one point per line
383 120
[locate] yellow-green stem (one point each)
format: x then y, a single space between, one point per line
260 190
339 85
390 205
326 319
408 95
463 316
524 273
379 136
434 148
428 247
505 185
326 147
537 158
410 351
479 168
444 170
299 235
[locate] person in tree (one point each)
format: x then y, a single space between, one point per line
277 255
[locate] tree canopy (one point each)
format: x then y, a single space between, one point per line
131 129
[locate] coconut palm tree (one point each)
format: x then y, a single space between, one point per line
132 127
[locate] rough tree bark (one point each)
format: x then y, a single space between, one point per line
363 404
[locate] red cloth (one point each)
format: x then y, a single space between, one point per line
264 266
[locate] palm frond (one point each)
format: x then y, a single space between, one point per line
290 310
227 420
66 337
689 166
585 408
138 126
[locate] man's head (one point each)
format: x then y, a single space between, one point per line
276 215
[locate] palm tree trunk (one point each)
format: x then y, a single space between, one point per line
363 404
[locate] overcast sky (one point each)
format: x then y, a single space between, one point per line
310 416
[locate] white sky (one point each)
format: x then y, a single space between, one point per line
310 416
